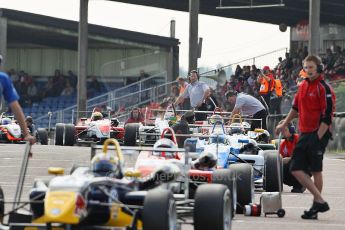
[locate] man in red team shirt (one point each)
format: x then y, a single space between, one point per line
286 149
135 117
314 104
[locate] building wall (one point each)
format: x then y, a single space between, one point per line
101 61
331 35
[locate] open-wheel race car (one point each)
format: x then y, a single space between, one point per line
233 144
98 197
87 130
202 170
148 133
10 131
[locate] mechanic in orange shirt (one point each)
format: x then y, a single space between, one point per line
276 97
302 75
286 149
266 81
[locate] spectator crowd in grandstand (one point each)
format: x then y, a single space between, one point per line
282 80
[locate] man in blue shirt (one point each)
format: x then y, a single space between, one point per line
11 97
197 92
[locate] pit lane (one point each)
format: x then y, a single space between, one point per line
294 204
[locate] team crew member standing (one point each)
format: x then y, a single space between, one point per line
314 104
11 97
278 96
197 91
249 106
266 81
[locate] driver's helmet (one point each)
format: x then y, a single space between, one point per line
216 118
164 143
6 121
264 137
217 138
104 165
97 116
115 122
236 130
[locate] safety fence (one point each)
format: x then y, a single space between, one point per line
151 89
338 129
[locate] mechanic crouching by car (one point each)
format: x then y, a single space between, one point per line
286 149
197 91
31 126
181 127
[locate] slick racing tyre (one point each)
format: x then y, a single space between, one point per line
227 177
273 163
42 135
131 131
212 208
159 210
59 132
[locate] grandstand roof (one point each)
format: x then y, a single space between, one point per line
332 11
37 29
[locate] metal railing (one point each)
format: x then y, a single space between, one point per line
133 95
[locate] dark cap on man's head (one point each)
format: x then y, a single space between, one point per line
181 78
29 119
193 71
230 93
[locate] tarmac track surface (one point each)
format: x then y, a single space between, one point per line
294 204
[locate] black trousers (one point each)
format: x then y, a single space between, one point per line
275 106
289 179
262 114
267 99
201 116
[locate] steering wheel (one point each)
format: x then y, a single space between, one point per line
236 117
118 152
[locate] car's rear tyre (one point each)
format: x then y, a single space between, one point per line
159 211
69 136
59 132
212 208
131 131
244 184
227 177
273 163
42 135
